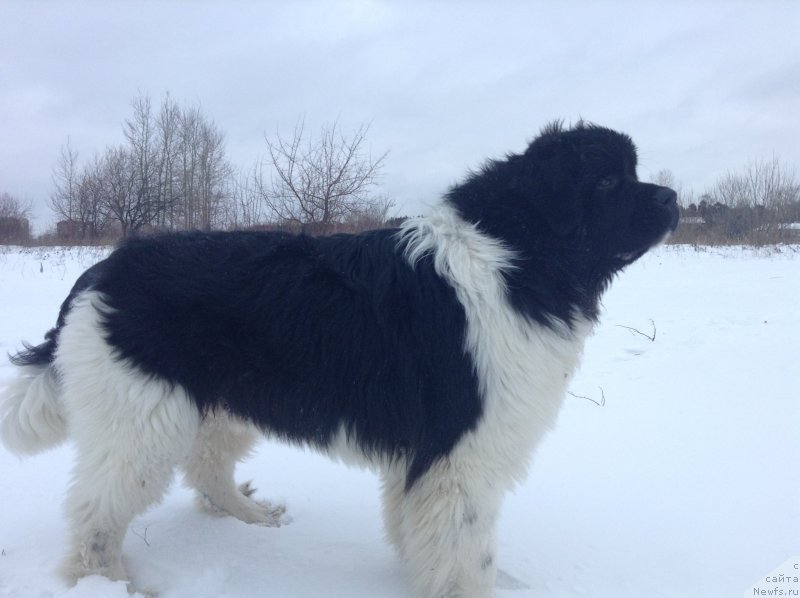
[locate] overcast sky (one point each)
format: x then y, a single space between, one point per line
702 87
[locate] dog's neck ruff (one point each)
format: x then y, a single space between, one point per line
472 262
461 253
524 367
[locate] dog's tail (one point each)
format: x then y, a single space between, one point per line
31 417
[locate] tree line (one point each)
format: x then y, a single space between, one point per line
171 172
756 205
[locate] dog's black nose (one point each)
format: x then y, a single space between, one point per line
665 196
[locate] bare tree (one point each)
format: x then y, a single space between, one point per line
77 197
14 225
170 173
753 204
167 131
204 173
322 181
767 183
213 172
188 135
11 207
92 212
117 178
139 131
64 199
245 208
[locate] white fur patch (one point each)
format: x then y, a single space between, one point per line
445 524
130 430
30 412
523 367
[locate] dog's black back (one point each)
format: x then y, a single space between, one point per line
304 336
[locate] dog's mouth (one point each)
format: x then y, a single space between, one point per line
629 257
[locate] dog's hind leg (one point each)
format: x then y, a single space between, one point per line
130 431
124 464
221 442
448 532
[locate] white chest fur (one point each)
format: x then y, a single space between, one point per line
523 367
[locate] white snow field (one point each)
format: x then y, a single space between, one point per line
685 481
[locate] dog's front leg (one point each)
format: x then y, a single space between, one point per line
447 532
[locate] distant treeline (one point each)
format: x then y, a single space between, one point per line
171 172
757 205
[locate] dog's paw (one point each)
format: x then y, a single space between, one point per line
240 504
134 591
274 515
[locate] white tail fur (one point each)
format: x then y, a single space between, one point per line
32 419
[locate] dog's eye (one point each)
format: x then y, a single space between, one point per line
607 183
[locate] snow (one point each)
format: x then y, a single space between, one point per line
676 475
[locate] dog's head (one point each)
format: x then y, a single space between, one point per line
582 182
574 213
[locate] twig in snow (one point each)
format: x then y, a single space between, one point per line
600 403
143 537
652 337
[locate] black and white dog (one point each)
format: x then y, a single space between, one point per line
438 353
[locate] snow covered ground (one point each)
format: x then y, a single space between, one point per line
676 475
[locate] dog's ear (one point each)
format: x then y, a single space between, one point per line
550 168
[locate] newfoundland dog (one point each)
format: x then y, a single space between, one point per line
437 353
